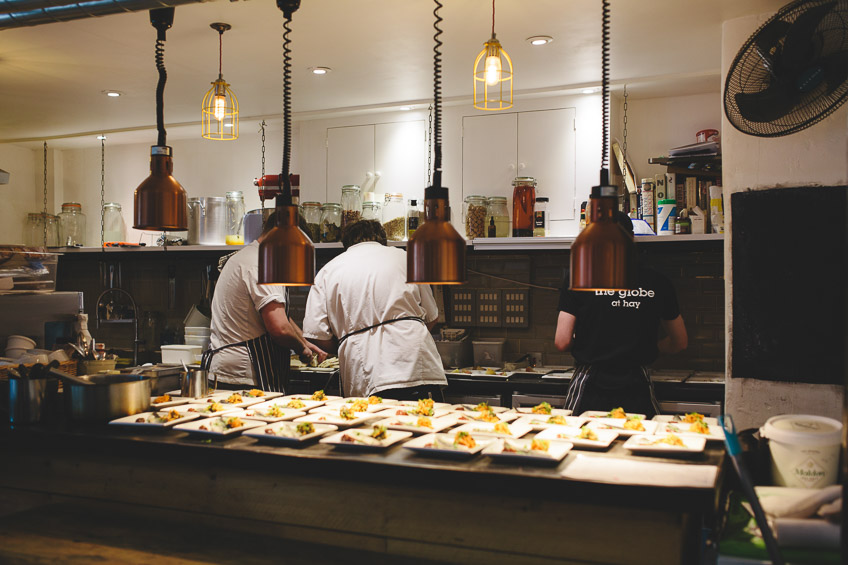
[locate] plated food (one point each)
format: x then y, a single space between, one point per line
299 402
616 413
539 422
166 401
460 445
585 436
665 443
272 411
290 433
159 419
364 403
234 398
348 420
480 407
543 409
490 372
625 427
210 409
700 428
220 426
524 450
418 424
375 438
500 429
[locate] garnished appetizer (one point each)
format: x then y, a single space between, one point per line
424 422
256 393
360 405
295 403
214 407
559 420
617 413
634 424
502 428
275 411
234 398
671 439
161 399
379 432
540 445
305 428
699 427
489 416
464 439
346 413
375 400
543 408
234 422
483 407
318 395
693 417
587 433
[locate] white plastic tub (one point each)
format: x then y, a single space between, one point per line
804 449
178 354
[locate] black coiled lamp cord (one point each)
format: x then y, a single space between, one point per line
161 19
437 99
605 49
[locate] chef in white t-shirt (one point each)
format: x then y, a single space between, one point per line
252 337
362 305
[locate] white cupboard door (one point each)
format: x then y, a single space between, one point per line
547 152
489 155
350 158
401 158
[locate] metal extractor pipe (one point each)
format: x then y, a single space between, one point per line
22 13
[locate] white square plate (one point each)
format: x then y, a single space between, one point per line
675 419
217 426
554 411
205 410
334 419
649 444
372 406
519 451
150 419
539 423
571 434
174 401
327 397
482 372
488 429
617 424
473 408
442 445
294 402
474 416
716 433
233 398
414 404
261 412
360 438
261 395
399 410
410 424
285 433
599 414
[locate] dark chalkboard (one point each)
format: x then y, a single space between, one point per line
789 284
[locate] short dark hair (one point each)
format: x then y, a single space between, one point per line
624 221
270 223
362 231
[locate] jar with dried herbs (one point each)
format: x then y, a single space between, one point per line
475 217
311 212
394 216
331 222
351 204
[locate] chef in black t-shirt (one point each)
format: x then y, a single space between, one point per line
613 336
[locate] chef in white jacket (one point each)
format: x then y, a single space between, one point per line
362 306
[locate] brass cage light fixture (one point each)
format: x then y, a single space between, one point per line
493 75
602 256
220 105
435 254
286 254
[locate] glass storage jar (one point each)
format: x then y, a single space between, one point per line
35 232
414 216
311 212
497 209
71 225
331 222
235 218
351 204
475 217
523 203
372 211
114 228
394 216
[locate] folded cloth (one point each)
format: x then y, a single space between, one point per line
787 502
795 532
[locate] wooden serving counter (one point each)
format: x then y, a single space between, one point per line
125 496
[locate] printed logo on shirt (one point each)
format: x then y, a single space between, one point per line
622 294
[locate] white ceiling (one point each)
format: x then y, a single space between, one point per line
52 76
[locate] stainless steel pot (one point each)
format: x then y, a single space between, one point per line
30 399
106 397
253 222
207 220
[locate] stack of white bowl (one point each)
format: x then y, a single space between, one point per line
17 345
198 336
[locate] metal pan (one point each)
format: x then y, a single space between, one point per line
105 397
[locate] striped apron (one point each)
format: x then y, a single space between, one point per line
270 362
590 389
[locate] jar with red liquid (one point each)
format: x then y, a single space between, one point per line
523 206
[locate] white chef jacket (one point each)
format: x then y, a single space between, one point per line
235 314
364 286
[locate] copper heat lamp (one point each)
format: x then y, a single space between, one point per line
602 255
159 203
435 254
286 254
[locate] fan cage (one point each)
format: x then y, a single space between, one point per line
748 73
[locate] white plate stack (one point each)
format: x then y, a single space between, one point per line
198 336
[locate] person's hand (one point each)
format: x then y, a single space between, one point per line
310 351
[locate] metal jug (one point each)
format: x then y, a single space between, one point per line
207 220
195 383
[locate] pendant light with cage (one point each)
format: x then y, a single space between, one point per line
220 105
435 254
286 254
602 255
493 75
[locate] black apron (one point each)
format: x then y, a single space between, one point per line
594 387
270 362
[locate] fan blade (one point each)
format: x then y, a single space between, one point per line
799 47
770 104
767 43
835 70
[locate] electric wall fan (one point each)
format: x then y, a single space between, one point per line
792 72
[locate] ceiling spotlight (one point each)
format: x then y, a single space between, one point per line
539 39
319 70
406 108
101 137
111 93
588 91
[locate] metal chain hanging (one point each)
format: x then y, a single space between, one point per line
102 192
624 148
262 129
430 146
44 211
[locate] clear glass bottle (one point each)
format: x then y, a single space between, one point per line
351 204
311 212
372 211
497 209
235 218
523 204
413 217
394 216
475 216
35 229
540 217
114 228
331 222
71 225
